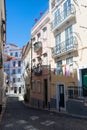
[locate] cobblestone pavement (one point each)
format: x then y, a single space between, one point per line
20 117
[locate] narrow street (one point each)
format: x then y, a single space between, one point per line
20 117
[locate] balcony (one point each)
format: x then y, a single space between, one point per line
37 46
37 70
66 16
68 45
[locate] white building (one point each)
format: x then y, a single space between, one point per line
69 29
13 67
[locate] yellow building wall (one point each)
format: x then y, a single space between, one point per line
66 80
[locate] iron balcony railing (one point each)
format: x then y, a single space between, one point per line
63 16
37 46
37 70
64 47
41 69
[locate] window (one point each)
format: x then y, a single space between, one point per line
15 89
57 17
45 59
69 65
19 89
19 71
45 54
19 80
16 54
58 39
11 54
13 71
58 42
66 5
68 38
38 36
19 63
38 86
73 92
45 33
69 60
14 80
59 67
68 32
7 72
6 66
14 63
39 58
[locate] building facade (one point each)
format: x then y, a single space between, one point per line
69 49
26 58
13 68
2 43
56 56
41 62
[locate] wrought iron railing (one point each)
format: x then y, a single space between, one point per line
69 11
68 45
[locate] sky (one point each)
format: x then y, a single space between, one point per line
20 18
